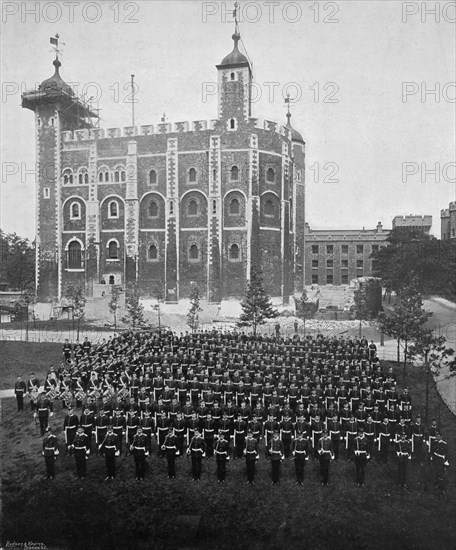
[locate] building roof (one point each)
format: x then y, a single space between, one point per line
235 58
56 82
295 135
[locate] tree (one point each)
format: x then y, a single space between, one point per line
17 261
304 308
114 304
193 312
412 254
27 298
135 311
76 296
431 349
406 318
256 304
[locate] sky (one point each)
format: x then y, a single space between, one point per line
371 84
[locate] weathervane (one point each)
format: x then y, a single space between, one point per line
235 15
55 43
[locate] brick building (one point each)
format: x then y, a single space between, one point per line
421 223
448 222
336 256
171 205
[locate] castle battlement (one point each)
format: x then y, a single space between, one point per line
165 128
445 213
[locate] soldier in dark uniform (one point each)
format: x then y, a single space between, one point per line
239 428
139 450
50 452
361 452
300 455
439 459
180 428
70 425
131 427
163 424
403 453
208 426
333 426
276 454
118 426
325 452
80 446
43 408
20 387
221 450
110 448
87 421
251 456
196 449
384 438
286 433
170 449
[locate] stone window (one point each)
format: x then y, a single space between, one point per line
106 176
123 176
192 208
153 177
315 249
344 249
344 279
152 209
270 175
75 211
193 253
113 210
234 207
359 248
81 179
329 249
67 177
234 173
116 176
329 263
329 278
359 264
269 208
232 124
214 207
113 250
314 263
152 252
233 76
344 264
375 248
171 207
234 254
315 278
74 255
46 192
192 175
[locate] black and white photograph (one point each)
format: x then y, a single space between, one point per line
228 275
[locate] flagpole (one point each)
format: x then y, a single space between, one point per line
132 100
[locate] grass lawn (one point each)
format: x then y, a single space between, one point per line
26 357
124 514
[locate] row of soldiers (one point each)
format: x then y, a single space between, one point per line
301 449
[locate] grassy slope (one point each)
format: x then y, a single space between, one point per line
125 514
23 358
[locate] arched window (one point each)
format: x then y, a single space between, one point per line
39 122
234 252
269 207
100 176
193 252
152 252
192 208
71 178
152 209
81 179
234 207
74 255
113 250
113 209
232 124
107 176
214 207
270 175
116 176
234 174
52 121
123 176
86 178
152 177
171 207
66 177
233 76
192 175
75 211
